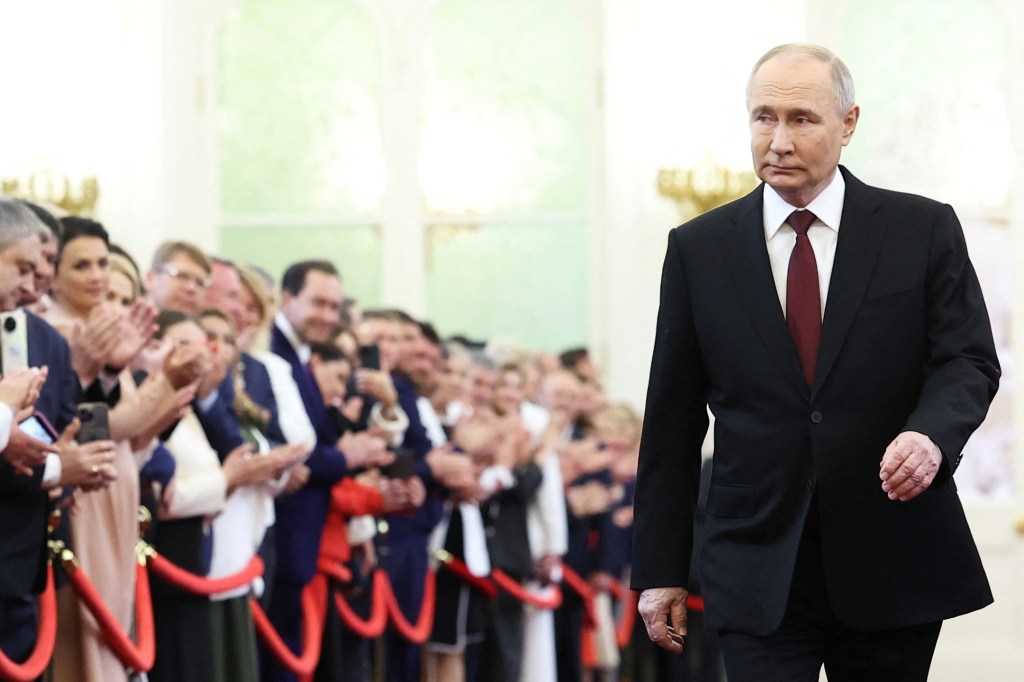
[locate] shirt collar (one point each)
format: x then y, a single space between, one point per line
827 206
301 349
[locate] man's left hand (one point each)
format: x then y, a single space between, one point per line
909 466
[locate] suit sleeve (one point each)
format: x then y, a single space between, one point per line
962 370
675 423
220 424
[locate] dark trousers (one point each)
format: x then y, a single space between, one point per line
286 616
811 636
18 627
344 656
568 623
504 641
406 564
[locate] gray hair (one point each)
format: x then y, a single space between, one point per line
842 81
17 222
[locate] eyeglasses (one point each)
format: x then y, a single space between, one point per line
202 282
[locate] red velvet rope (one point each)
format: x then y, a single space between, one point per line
524 595
374 625
418 633
580 587
36 663
136 656
313 606
334 570
462 572
624 630
694 602
197 584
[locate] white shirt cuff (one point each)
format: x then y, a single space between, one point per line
6 424
52 471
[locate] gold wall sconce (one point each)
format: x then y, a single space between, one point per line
710 185
78 199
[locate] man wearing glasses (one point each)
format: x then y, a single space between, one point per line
179 277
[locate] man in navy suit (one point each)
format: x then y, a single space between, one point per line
833 532
311 299
24 497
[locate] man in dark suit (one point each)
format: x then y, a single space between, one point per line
834 534
311 299
24 495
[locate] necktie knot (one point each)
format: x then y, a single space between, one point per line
800 220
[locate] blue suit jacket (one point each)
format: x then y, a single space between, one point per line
301 515
220 424
23 504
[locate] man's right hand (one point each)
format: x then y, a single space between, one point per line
453 471
660 605
184 365
23 452
364 449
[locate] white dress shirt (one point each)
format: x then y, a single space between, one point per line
301 347
823 234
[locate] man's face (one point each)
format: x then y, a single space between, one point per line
178 285
560 392
481 387
221 340
46 269
425 366
451 383
225 293
18 271
384 333
315 311
409 338
796 130
508 393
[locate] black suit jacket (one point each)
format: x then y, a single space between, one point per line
906 345
508 541
23 503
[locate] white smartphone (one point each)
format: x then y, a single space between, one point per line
13 341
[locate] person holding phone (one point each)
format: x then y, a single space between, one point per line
104 339
354 503
38 467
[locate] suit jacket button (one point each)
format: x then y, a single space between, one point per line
810 485
816 417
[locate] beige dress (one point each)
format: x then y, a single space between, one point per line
104 531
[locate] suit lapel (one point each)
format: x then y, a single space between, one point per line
860 240
312 400
752 273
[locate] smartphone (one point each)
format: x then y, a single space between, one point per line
404 465
369 356
39 428
95 425
13 341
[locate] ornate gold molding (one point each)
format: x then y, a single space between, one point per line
45 188
698 190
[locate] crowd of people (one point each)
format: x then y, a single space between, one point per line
277 419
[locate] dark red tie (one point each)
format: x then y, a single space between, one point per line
803 300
